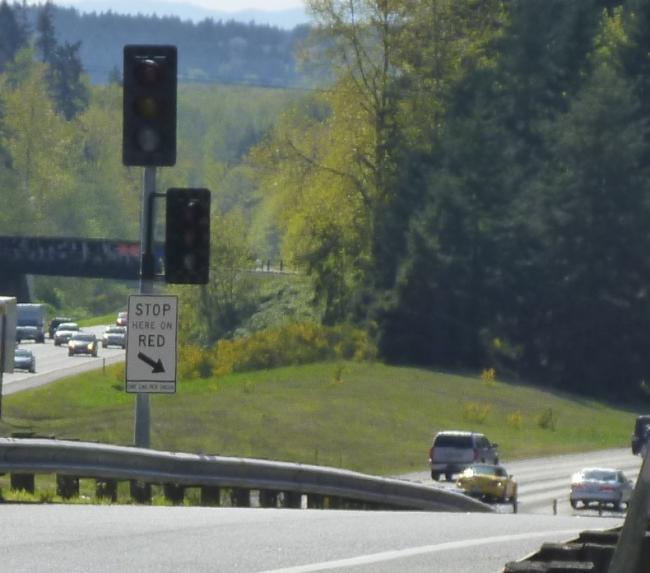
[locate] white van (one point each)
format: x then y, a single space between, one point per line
453 451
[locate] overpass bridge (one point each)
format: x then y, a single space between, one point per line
67 256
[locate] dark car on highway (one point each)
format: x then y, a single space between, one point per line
641 434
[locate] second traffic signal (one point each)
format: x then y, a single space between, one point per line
149 112
187 236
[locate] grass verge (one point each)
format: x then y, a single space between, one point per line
366 417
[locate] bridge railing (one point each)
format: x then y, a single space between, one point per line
297 484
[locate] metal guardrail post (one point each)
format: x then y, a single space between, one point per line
174 493
67 486
22 481
627 556
210 495
140 491
268 498
106 489
240 497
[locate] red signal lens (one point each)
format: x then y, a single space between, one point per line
148 72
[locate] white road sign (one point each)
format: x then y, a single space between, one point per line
151 344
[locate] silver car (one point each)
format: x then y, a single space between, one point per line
64 332
454 451
600 486
24 360
114 336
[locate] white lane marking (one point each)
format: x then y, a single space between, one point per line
402 553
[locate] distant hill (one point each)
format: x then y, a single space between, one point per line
210 51
286 19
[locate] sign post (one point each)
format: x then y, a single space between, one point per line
151 344
7 338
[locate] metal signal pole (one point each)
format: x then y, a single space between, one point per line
142 414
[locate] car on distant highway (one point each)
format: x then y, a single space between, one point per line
641 435
600 486
83 343
453 451
24 360
114 336
64 332
122 319
55 322
489 483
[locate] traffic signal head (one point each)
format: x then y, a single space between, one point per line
187 236
149 112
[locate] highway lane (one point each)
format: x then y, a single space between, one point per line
60 538
53 363
543 481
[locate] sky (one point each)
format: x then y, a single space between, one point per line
236 5
283 13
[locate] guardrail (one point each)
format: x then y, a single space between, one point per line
276 483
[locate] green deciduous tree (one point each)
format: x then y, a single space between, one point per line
217 309
41 146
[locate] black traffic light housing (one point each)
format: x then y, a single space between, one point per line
187 236
149 107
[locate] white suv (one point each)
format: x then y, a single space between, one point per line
454 451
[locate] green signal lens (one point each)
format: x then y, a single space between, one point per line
148 139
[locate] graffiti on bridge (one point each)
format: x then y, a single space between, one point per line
74 256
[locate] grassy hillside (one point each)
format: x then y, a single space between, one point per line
368 417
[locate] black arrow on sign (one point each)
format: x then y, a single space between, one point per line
157 366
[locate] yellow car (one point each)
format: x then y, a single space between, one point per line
488 482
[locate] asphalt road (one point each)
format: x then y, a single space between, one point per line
59 538
53 362
543 483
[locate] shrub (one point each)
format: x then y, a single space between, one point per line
547 420
474 412
515 420
489 376
291 345
338 374
195 362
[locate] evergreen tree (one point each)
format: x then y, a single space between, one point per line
596 312
13 34
65 70
67 85
46 42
